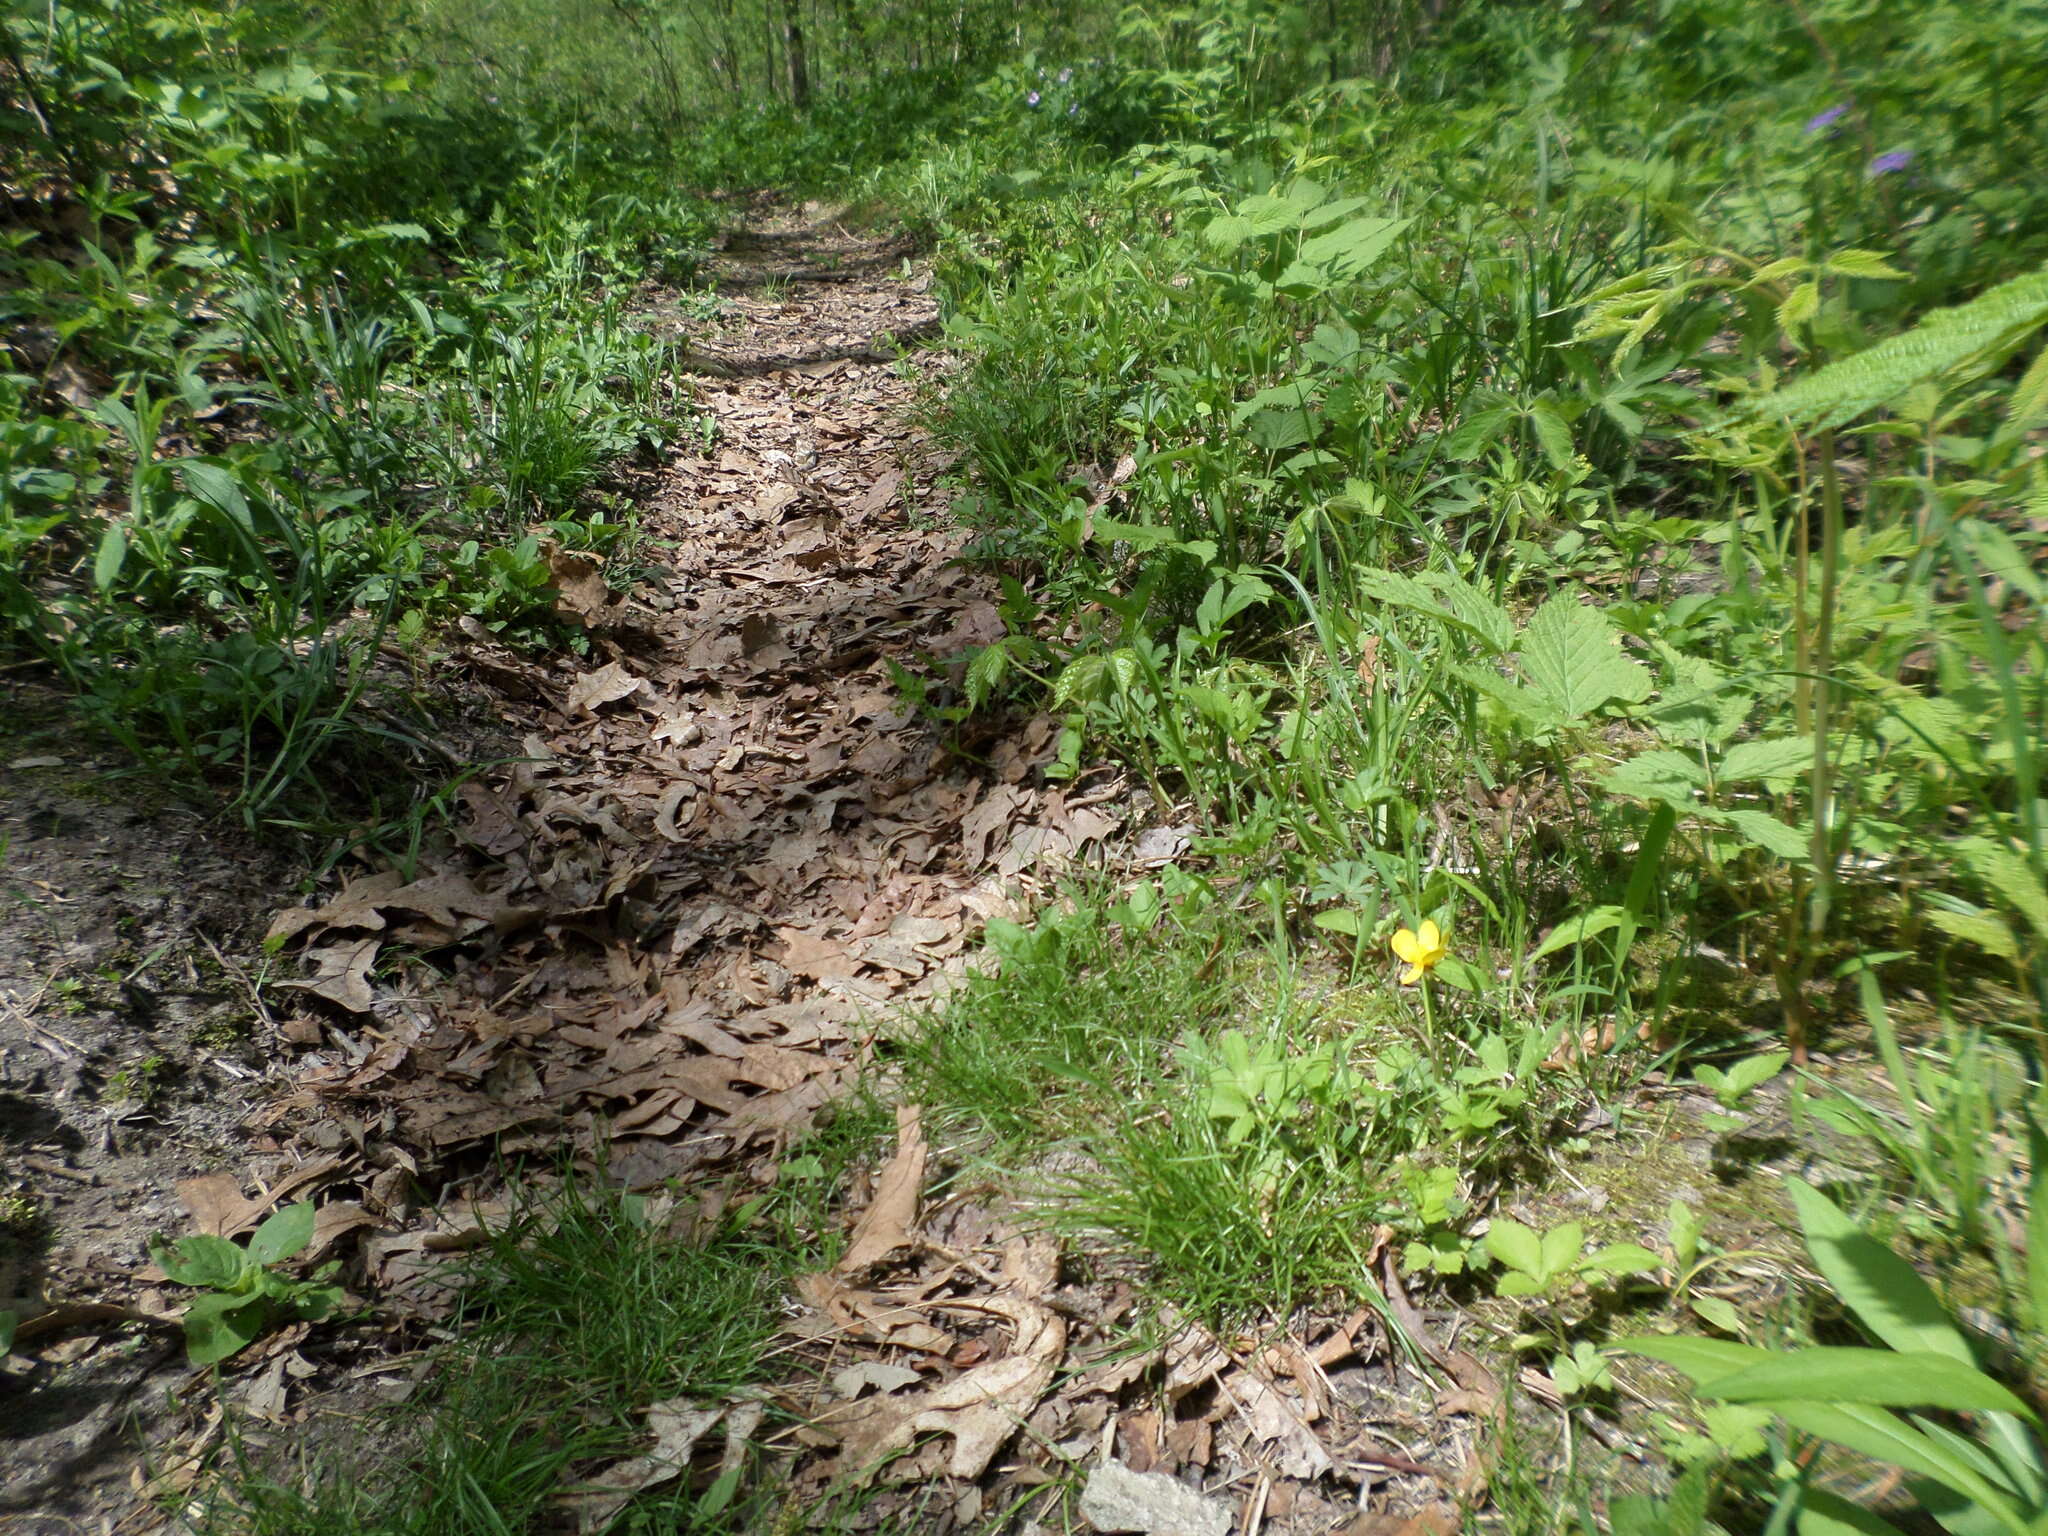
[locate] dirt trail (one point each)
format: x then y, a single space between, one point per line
717 846
730 841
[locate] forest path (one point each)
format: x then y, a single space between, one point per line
730 845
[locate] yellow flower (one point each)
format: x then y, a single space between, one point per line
1420 949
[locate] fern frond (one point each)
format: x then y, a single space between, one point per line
1947 343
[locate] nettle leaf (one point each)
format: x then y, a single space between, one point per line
202 1260
1767 832
1276 430
1660 774
1776 761
283 1234
1446 597
1945 344
1353 246
1986 930
1572 655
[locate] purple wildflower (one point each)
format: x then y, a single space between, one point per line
1073 107
1031 99
1827 119
1891 160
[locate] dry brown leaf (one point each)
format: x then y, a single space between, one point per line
980 1408
606 685
888 1226
342 974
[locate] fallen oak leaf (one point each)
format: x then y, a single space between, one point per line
678 1425
887 1226
980 1408
606 685
342 974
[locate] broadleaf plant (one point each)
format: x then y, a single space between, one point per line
1995 1483
244 1294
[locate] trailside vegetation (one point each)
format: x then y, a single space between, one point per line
1550 501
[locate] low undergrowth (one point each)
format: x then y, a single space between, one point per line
587 1306
305 359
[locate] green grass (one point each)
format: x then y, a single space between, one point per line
586 1307
1173 1088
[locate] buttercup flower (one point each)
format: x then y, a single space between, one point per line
1827 119
1419 949
1891 160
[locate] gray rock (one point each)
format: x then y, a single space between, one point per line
1118 1499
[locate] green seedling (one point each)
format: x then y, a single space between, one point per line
1732 1086
1547 1264
1583 1369
244 1294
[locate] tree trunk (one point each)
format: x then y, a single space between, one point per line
793 50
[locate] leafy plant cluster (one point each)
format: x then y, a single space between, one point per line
1578 481
302 355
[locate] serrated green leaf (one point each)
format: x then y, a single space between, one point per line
1553 434
1448 599
1351 247
1765 831
1572 656
1944 345
1752 1072
1986 930
1778 761
1661 774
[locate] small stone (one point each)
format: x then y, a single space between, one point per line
1118 1499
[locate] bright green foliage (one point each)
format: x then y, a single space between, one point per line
245 1295
307 349
1546 1263
1996 1482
